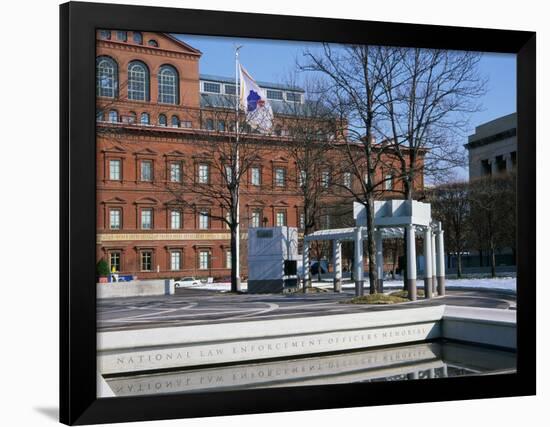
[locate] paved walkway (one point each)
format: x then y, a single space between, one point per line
192 307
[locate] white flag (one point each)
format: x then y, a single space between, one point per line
253 99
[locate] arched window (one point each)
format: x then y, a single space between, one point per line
153 43
175 121
168 85
132 118
106 77
138 81
144 119
113 116
162 120
138 37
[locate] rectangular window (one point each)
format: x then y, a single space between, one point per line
175 260
211 87
146 260
325 179
204 260
203 174
280 177
187 124
388 182
146 170
203 220
175 172
175 220
274 94
230 89
227 259
293 97
209 124
302 178
114 219
255 176
347 179
302 220
280 219
114 262
114 170
221 125
228 219
146 219
122 36
229 174
255 218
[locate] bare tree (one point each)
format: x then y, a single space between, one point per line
355 83
428 95
493 214
451 205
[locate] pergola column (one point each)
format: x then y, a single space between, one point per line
358 262
337 263
428 253
434 265
440 261
411 262
306 266
379 260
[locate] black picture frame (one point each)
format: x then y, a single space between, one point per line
78 23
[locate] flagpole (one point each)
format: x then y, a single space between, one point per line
237 167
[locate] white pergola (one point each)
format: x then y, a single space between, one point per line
391 219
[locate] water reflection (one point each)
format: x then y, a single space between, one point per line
411 362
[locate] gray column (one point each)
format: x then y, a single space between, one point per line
379 260
337 263
434 267
428 254
358 262
306 266
440 261
411 262
431 373
509 164
494 166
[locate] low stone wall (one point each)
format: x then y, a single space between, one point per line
186 346
489 326
135 288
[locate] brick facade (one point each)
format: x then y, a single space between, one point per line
137 229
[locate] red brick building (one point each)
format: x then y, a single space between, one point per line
153 109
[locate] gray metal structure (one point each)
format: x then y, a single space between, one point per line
269 250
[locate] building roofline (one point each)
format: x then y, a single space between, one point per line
266 85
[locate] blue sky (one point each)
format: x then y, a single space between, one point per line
273 60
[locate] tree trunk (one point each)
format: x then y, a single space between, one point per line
371 249
235 281
459 265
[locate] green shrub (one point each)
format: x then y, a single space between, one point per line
102 268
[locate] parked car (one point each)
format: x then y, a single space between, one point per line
187 281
